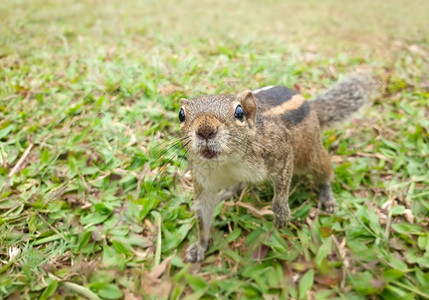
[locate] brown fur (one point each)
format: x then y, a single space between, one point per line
279 135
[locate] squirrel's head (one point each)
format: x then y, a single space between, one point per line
217 127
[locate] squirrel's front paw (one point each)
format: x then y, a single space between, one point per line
195 253
281 222
281 216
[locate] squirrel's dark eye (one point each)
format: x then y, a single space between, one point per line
182 115
239 114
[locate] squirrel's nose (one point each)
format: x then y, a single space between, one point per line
206 133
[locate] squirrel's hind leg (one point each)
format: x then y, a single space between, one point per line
321 170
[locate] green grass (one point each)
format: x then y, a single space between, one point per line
91 206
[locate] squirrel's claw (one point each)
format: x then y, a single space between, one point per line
195 253
281 215
326 199
328 206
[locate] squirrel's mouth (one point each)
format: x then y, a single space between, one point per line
208 153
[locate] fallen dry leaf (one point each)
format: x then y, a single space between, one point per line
327 280
157 282
260 252
409 215
379 285
387 204
255 211
130 296
341 247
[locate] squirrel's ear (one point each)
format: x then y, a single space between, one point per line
249 106
183 101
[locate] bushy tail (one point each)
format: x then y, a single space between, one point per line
342 100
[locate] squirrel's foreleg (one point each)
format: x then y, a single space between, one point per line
204 206
281 194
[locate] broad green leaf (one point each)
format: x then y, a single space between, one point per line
106 290
148 204
195 296
305 284
323 251
49 290
423 242
84 241
364 283
392 274
172 239
121 247
195 282
407 228
397 210
423 261
94 218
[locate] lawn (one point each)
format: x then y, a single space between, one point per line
96 199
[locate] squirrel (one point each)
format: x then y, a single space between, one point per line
266 134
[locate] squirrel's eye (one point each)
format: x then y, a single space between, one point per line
182 115
239 114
